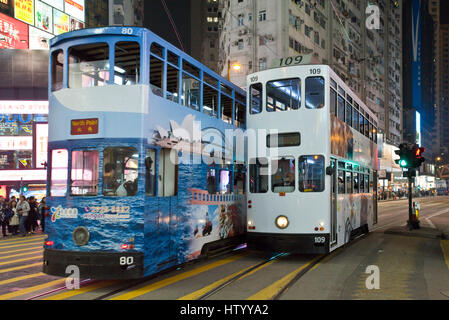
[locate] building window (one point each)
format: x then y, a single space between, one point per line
262 15
240 44
240 20
262 64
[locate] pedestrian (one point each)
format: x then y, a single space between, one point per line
33 215
23 208
14 221
42 212
3 218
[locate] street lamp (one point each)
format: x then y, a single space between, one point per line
236 66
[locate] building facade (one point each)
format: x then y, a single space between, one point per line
361 40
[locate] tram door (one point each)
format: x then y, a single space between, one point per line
334 182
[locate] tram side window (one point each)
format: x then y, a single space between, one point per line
156 75
366 183
362 184
341 108
239 179
57 70
224 185
84 174
210 101
341 182
150 172
255 98
356 182
120 171
348 114
366 127
172 84
314 92
168 174
311 173
258 175
355 119
127 63
190 92
348 182
371 131
226 108
283 95
88 65
58 173
333 102
283 177
211 181
240 115
361 129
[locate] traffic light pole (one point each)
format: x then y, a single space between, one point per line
410 207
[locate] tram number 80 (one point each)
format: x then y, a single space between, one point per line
126 261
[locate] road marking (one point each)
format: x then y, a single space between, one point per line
28 276
170 280
445 247
330 255
272 290
20 260
198 293
20 254
22 245
430 223
21 239
438 213
21 267
31 289
88 288
19 250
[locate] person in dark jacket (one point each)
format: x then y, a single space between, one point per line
42 207
33 215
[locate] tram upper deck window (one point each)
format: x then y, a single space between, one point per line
120 171
314 92
191 92
127 63
355 119
240 114
210 101
88 65
84 178
311 173
283 175
348 114
290 139
333 102
283 95
258 175
58 173
226 108
57 70
341 108
156 75
255 98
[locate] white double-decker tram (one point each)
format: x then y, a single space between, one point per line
312 183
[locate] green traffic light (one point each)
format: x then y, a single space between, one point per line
403 163
25 189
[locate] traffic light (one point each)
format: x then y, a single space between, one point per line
24 189
404 156
418 159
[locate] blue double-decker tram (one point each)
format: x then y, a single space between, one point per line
143 173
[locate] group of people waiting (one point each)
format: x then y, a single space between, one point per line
22 215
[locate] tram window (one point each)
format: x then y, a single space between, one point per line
120 171
371 131
57 69
361 128
168 174
211 181
58 173
190 92
239 179
172 92
226 108
210 101
224 185
127 63
333 84
240 115
150 172
362 184
156 76
341 91
210 80
258 175
366 127
283 178
278 140
341 108
348 114
348 182
375 134
225 89
88 65
333 102
366 183
311 173
255 98
188 67
157 49
84 174
314 92
341 181
283 95
173 58
355 119
356 182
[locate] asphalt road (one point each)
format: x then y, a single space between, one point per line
410 266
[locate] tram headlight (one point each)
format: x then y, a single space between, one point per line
80 236
282 222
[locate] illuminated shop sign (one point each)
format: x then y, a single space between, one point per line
23 107
23 10
58 4
17 175
75 24
6 6
75 8
39 40
41 144
13 33
16 143
60 22
44 16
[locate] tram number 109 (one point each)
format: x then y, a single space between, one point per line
126 261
